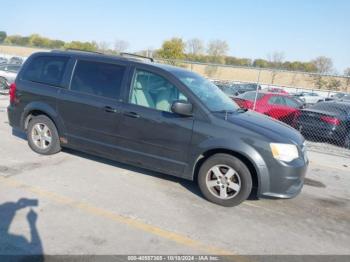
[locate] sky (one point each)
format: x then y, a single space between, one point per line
301 29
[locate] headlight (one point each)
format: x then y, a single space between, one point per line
284 152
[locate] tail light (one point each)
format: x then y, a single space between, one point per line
330 120
12 93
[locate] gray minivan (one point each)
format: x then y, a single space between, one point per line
159 117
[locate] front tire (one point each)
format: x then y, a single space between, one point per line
225 180
42 136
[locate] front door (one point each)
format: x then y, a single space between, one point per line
150 133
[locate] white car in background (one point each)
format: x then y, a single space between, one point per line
8 75
310 98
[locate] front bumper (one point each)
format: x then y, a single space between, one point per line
283 180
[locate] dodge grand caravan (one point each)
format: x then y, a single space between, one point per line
158 117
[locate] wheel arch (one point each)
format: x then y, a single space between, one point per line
245 159
35 109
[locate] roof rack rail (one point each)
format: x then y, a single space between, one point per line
136 56
80 50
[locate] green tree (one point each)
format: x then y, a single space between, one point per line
84 46
172 49
17 40
56 44
230 60
262 63
3 36
38 41
309 67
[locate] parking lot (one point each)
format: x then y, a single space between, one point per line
88 205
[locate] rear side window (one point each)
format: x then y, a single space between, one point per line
276 100
46 69
100 79
292 103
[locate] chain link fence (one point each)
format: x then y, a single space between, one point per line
316 105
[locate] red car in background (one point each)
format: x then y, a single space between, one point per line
276 105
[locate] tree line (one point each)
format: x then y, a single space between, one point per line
35 40
215 51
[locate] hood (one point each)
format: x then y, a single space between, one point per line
263 125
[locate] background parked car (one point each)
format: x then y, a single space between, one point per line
336 96
235 89
246 87
345 98
326 120
8 75
3 60
15 60
230 90
279 106
310 98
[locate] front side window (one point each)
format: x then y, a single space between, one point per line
100 79
46 69
210 95
153 91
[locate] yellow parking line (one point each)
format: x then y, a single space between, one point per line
163 233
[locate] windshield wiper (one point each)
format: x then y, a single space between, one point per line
226 112
241 110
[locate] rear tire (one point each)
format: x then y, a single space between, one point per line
43 136
225 180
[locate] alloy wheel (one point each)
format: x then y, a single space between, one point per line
223 182
41 136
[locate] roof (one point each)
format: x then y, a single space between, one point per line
129 58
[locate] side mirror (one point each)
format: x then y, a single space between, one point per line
182 108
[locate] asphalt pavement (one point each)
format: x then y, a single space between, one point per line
74 203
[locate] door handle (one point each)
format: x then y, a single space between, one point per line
109 109
131 114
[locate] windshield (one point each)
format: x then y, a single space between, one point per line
207 92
